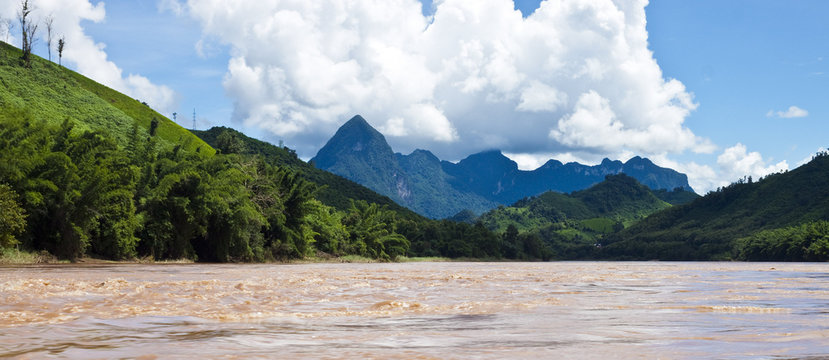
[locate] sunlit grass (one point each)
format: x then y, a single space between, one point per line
54 93
17 257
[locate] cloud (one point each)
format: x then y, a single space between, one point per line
792 112
172 6
474 75
88 57
540 97
736 162
732 164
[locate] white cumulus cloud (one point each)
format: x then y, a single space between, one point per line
791 112
733 164
736 162
575 76
84 54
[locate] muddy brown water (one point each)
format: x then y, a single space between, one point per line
416 310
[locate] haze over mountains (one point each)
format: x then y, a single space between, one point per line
480 182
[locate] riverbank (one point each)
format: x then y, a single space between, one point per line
18 257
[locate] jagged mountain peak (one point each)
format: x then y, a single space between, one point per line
357 123
353 138
360 130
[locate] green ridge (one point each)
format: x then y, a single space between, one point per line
708 228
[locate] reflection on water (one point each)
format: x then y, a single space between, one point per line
417 310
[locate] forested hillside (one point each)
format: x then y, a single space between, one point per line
770 219
335 190
573 225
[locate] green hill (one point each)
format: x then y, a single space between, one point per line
52 93
571 224
709 227
336 191
618 199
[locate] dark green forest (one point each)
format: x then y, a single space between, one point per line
573 226
749 220
78 193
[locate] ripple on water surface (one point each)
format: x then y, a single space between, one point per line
417 310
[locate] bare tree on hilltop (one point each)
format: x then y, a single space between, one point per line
28 29
48 22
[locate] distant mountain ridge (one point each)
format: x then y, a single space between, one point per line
480 182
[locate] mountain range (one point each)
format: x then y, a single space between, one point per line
480 182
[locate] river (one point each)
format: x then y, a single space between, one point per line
571 310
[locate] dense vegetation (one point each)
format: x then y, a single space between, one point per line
708 228
82 194
334 190
571 226
808 242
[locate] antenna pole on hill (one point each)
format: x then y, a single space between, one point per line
194 118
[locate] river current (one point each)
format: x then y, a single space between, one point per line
588 310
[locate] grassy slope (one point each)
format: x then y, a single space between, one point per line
707 227
53 93
337 191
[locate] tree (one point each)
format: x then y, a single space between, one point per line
153 126
48 22
230 143
288 234
510 246
371 229
61 44
28 29
12 218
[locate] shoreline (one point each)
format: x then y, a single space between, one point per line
17 257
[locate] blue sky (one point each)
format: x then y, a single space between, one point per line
756 71
743 59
